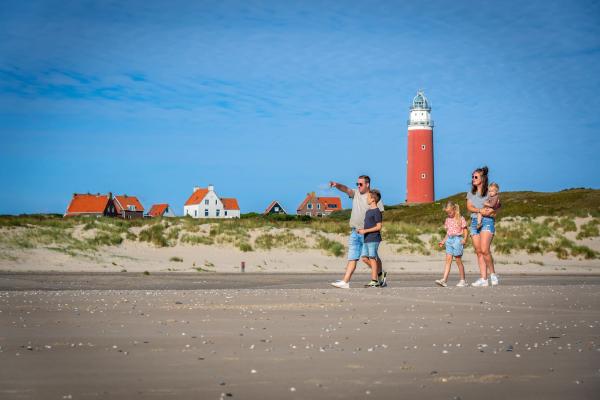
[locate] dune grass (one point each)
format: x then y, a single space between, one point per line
409 229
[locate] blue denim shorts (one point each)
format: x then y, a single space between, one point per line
370 249
454 246
356 246
488 224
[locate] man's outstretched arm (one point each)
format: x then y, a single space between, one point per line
342 188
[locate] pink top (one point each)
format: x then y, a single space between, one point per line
453 228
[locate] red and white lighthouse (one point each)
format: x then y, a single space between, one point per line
419 164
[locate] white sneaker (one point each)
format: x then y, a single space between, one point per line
480 283
462 283
341 284
441 282
494 279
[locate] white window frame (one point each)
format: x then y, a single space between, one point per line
206 202
206 212
218 212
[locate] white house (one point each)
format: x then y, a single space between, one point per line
204 203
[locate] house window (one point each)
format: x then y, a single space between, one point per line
218 213
216 202
332 205
206 201
309 206
423 176
131 208
195 213
319 206
309 214
225 212
276 209
206 213
423 147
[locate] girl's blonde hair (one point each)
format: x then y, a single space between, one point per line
453 206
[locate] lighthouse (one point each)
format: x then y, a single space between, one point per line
419 163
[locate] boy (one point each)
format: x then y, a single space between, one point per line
493 202
372 233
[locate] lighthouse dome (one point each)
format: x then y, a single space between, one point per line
420 102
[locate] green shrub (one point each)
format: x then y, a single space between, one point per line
155 235
288 240
331 246
589 230
245 246
195 239
176 259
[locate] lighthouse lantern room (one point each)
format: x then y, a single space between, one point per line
419 163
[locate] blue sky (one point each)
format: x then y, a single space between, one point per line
271 100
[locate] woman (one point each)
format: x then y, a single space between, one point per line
482 236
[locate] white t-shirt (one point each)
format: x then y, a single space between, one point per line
359 209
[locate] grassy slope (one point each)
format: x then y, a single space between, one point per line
574 202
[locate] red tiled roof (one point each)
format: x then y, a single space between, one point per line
306 200
87 204
158 210
230 204
123 203
324 201
327 201
197 197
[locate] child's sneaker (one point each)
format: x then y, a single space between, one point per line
494 279
462 283
382 279
373 284
341 284
441 282
480 283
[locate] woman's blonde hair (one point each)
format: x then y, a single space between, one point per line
453 206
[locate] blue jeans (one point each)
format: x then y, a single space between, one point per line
356 245
454 245
487 224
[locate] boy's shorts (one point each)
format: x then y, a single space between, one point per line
370 249
487 224
454 246
356 247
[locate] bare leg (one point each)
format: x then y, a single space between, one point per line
486 242
349 270
480 259
447 267
461 267
373 262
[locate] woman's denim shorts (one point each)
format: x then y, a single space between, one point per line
487 224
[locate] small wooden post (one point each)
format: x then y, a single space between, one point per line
243 266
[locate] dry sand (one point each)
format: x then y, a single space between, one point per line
139 257
535 341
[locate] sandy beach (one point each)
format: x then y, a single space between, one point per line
529 338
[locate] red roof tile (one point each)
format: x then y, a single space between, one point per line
123 203
158 210
197 197
230 204
327 202
87 204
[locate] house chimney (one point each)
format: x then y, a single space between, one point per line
196 188
211 188
110 195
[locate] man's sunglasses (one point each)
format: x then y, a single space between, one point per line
360 184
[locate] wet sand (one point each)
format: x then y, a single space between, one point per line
532 337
